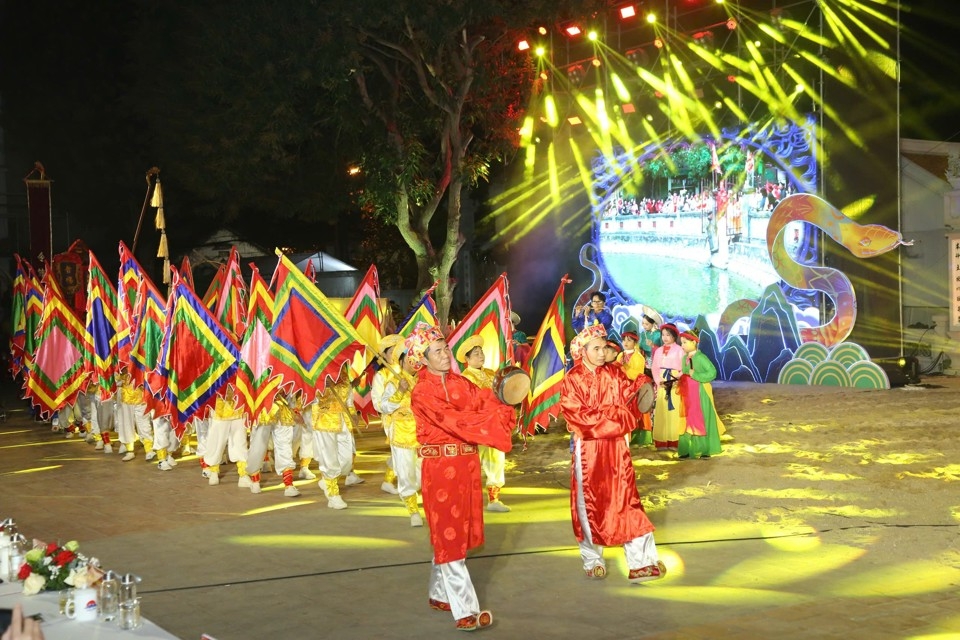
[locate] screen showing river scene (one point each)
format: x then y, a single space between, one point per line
689 238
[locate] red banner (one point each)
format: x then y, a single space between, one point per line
39 209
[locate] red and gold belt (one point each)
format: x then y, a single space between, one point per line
447 450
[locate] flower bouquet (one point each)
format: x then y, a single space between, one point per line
51 567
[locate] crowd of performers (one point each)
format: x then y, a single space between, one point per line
448 434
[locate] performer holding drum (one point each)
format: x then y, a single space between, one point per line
508 386
598 402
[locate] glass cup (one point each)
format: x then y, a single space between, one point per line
130 614
62 599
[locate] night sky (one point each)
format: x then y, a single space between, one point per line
64 77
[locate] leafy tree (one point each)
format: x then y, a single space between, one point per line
264 109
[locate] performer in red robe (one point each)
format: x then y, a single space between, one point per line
453 416
598 402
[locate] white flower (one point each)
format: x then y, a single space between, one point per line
33 584
82 578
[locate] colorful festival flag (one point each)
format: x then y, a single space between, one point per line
100 336
56 376
490 319
231 309
364 314
311 339
546 367
186 273
212 297
151 314
128 284
18 318
256 386
424 311
199 357
33 312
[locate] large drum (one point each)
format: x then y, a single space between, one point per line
511 385
646 397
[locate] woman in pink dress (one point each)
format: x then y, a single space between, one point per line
666 369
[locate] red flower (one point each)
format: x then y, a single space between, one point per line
51 548
64 557
24 572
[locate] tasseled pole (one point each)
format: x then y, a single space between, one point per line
163 251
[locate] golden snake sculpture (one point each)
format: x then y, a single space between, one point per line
863 241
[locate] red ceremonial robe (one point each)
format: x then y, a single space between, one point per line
451 410
600 409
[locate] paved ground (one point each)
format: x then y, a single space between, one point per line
757 544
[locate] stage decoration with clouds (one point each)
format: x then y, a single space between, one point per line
736 253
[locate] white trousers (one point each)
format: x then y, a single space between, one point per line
493 462
406 464
163 436
450 582
304 437
131 420
283 437
640 552
229 435
334 452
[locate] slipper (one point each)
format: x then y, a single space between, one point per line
646 574
599 572
438 605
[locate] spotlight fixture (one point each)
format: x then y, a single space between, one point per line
638 56
732 24
658 43
523 45
651 18
575 73
572 30
628 11
592 36
574 120
542 31
540 51
596 62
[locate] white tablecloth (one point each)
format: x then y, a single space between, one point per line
58 627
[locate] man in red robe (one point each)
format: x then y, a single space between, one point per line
598 402
453 416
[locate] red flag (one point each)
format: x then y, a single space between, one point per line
310 270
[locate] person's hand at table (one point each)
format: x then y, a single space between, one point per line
22 628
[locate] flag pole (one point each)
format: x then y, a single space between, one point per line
151 172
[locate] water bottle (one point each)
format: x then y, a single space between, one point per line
109 596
